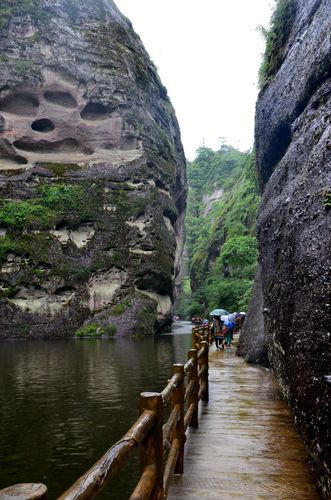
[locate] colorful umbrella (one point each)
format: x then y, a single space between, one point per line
218 312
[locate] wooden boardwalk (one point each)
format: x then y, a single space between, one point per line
246 445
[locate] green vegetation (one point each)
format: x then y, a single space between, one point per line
110 330
239 255
220 222
327 198
211 171
51 204
28 222
95 330
276 37
146 318
118 309
32 245
20 214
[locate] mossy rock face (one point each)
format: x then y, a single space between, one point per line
95 330
293 160
135 315
92 173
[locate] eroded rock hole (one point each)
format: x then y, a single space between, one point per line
94 111
61 225
171 215
64 291
43 125
20 160
280 140
160 184
60 98
69 145
20 104
7 152
155 282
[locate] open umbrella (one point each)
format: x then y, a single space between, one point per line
218 312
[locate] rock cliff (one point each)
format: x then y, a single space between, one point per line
293 149
92 174
252 343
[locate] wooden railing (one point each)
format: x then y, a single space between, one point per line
161 444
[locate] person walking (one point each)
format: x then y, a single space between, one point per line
230 323
218 332
228 335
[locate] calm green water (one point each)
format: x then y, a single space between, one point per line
63 403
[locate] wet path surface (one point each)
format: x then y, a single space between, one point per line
246 445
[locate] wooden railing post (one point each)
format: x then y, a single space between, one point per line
194 398
194 339
151 448
205 363
204 333
197 344
178 399
24 491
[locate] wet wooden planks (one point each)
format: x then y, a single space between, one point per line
246 445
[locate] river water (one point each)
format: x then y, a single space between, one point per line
63 403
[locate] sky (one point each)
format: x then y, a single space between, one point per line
208 54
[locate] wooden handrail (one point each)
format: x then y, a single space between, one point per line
194 398
189 389
188 365
169 426
146 484
171 464
172 384
189 415
202 351
92 482
151 448
155 439
178 399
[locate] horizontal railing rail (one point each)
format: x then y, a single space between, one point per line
161 444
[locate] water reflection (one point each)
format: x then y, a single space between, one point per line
64 402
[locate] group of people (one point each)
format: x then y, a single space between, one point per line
197 320
225 326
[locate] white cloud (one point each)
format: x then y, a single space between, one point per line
208 55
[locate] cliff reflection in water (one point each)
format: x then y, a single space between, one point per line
64 402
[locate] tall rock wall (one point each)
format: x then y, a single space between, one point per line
92 173
293 147
252 343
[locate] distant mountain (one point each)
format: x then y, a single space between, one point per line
220 222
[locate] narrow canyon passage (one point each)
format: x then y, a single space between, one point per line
246 445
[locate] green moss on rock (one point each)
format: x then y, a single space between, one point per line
95 330
146 319
68 203
31 245
281 24
327 198
22 214
118 309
